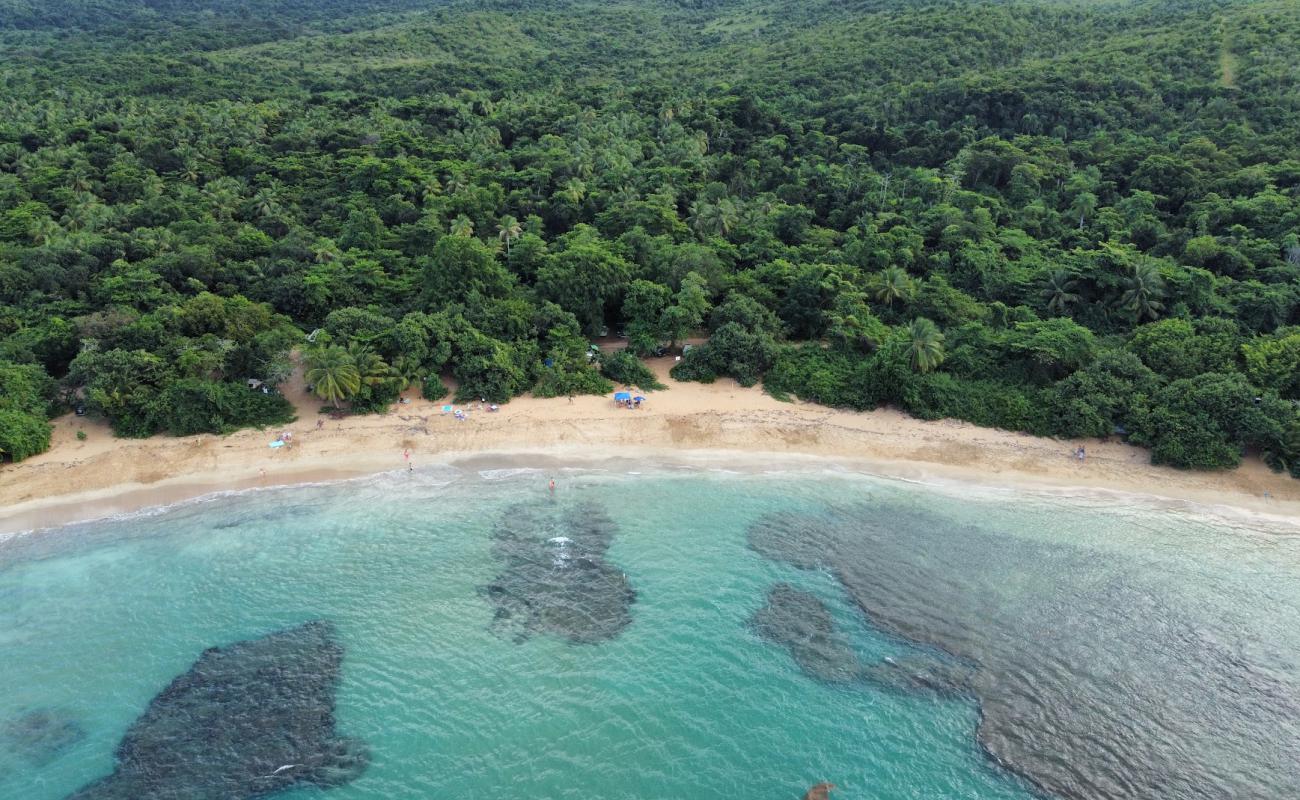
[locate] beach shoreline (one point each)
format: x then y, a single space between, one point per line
79 480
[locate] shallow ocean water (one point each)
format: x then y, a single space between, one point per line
686 700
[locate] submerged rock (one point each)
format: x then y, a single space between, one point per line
915 674
802 624
554 577
246 720
42 735
1097 679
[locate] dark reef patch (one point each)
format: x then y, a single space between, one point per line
41 735
246 720
1094 680
554 577
802 624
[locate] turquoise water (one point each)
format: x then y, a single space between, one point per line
685 701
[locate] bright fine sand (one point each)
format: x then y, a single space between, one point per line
101 476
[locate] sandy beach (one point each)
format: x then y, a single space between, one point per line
100 476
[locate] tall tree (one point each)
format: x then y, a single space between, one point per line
925 345
333 373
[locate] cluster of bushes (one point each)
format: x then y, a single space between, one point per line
26 398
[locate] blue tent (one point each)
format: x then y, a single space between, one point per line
622 397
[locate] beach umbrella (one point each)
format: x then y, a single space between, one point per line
639 399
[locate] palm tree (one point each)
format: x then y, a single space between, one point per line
1143 292
407 371
324 251
372 369
264 203
893 283
430 189
508 230
1058 291
334 374
714 219
1084 204
926 345
462 226
44 231
574 190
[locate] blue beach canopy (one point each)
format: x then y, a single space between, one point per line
622 396
276 443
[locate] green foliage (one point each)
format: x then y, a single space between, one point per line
192 405
1109 393
555 382
828 377
490 369
988 403
1274 362
625 369
124 386
925 345
1177 348
22 435
433 388
732 351
1053 348
1206 422
583 277
333 374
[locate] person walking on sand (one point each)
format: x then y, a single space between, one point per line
406 454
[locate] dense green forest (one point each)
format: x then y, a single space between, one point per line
1060 218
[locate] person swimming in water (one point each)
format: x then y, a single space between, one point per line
552 486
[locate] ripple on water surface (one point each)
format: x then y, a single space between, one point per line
1115 652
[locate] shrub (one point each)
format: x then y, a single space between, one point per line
624 368
22 434
732 350
829 377
1206 422
433 388
557 382
193 406
986 403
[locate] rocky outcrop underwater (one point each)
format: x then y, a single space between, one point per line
248 719
554 578
1097 678
41 735
800 622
